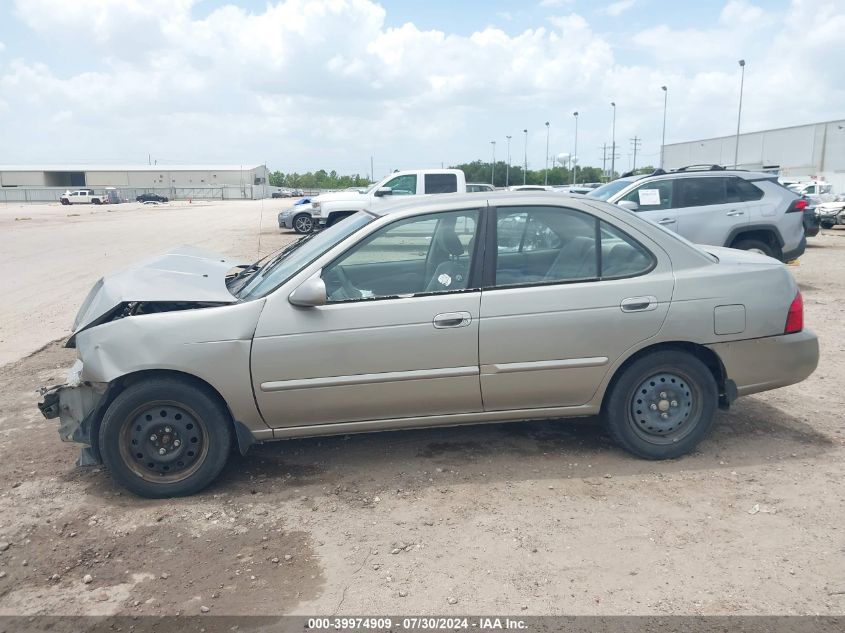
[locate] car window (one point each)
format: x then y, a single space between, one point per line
420 255
701 192
564 245
405 185
653 196
441 183
740 190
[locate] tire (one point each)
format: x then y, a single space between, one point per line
64 201
174 415
303 223
756 246
689 402
97 201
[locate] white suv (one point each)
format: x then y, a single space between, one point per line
734 208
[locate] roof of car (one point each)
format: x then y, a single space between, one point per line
481 198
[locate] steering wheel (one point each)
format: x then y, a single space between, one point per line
349 289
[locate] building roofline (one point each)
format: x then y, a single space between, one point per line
774 129
140 167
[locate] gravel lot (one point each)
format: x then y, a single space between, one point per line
531 518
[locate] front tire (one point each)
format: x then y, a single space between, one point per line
165 437
662 405
303 224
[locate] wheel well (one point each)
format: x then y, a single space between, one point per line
118 385
766 236
707 356
337 216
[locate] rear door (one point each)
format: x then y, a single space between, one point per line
710 208
656 201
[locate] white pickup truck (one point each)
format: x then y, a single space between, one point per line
328 208
83 196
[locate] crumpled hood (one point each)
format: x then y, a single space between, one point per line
736 256
184 274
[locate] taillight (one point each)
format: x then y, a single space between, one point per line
795 316
797 205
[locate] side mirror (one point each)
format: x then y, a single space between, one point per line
628 204
310 293
384 191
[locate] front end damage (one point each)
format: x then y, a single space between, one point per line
78 404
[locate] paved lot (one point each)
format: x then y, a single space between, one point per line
532 518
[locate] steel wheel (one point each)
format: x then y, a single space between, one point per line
660 407
163 442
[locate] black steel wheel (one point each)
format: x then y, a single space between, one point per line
662 405
165 437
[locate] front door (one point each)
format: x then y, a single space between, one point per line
397 338
656 201
569 295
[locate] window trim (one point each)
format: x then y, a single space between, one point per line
471 275
490 260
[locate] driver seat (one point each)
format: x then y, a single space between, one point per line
452 273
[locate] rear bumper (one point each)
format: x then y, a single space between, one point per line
796 252
761 364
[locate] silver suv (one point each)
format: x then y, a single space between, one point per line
738 209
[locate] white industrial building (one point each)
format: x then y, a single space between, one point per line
801 152
46 182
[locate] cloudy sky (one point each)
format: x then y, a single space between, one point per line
303 85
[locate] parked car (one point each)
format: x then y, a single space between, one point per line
812 221
404 317
298 217
475 187
530 188
150 197
330 208
713 205
282 193
832 213
82 196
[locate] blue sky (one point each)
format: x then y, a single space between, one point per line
327 83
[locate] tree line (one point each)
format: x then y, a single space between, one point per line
320 179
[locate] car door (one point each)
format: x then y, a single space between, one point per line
654 200
397 338
706 213
548 341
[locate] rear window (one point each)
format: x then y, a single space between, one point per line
441 183
701 192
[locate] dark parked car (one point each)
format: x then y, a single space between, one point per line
150 197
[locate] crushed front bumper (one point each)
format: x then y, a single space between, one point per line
78 405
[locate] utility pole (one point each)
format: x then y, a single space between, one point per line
546 171
604 160
613 143
493 165
525 158
372 171
636 143
508 168
663 141
575 152
739 113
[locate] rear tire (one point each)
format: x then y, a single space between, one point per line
165 437
673 384
756 246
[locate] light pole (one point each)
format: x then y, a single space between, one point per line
739 113
575 152
525 158
546 175
493 165
508 168
663 142
613 143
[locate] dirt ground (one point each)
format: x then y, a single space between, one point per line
530 518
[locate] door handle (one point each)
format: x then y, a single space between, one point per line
639 304
666 221
733 213
452 319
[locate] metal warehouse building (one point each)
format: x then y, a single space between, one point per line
48 182
801 152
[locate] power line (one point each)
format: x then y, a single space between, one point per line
636 143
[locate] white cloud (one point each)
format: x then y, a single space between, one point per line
618 8
326 83
555 3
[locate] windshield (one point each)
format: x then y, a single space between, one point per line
278 269
606 191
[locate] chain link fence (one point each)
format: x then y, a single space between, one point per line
128 194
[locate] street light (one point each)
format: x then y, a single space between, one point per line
546 175
575 153
613 143
663 142
493 166
525 158
508 168
739 113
